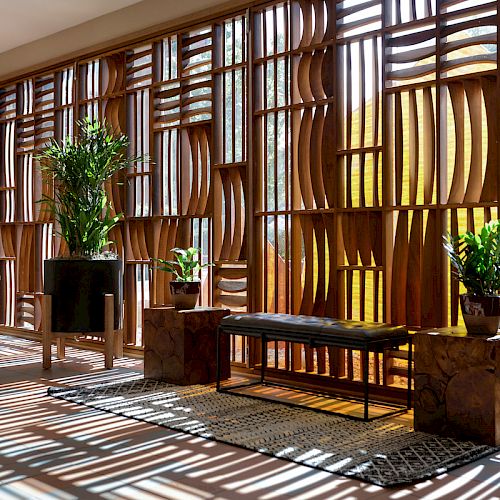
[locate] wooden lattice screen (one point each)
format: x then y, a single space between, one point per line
316 150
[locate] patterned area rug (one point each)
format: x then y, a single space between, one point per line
381 452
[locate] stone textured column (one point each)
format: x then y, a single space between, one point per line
180 346
457 384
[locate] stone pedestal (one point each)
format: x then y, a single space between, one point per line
457 384
180 346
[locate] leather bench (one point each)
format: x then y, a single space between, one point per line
318 332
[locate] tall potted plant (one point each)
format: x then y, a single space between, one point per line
79 168
476 263
185 289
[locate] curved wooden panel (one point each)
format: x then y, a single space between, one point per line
331 16
303 77
139 63
26 264
414 140
305 158
165 232
320 289
116 237
432 312
135 249
399 271
414 59
376 236
111 67
7 241
474 182
457 185
429 139
316 166
307 23
195 162
490 185
363 238
349 233
319 21
231 286
199 169
315 75
232 301
414 277
226 215
205 172
8 102
332 306
329 157
307 302
145 240
239 214
327 70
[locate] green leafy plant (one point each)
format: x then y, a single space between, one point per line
185 266
79 167
476 259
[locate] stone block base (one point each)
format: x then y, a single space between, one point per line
457 385
180 346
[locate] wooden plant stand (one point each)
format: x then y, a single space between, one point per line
113 339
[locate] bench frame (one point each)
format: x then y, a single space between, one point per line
365 345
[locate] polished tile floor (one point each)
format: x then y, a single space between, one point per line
53 449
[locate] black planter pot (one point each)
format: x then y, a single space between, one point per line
481 314
78 287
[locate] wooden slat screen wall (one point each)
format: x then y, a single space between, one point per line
316 150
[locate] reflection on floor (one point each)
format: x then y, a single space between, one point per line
54 449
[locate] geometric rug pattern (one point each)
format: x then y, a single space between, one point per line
382 452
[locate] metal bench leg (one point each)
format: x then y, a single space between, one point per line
410 358
263 365
365 381
218 358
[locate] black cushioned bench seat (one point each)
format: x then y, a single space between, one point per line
319 331
314 329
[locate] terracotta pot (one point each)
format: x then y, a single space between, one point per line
185 294
481 314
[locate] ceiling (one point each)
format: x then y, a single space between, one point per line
23 21
37 33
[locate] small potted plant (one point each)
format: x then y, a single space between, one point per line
185 289
79 168
476 262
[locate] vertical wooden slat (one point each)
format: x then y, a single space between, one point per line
457 184
398 146
429 140
414 148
